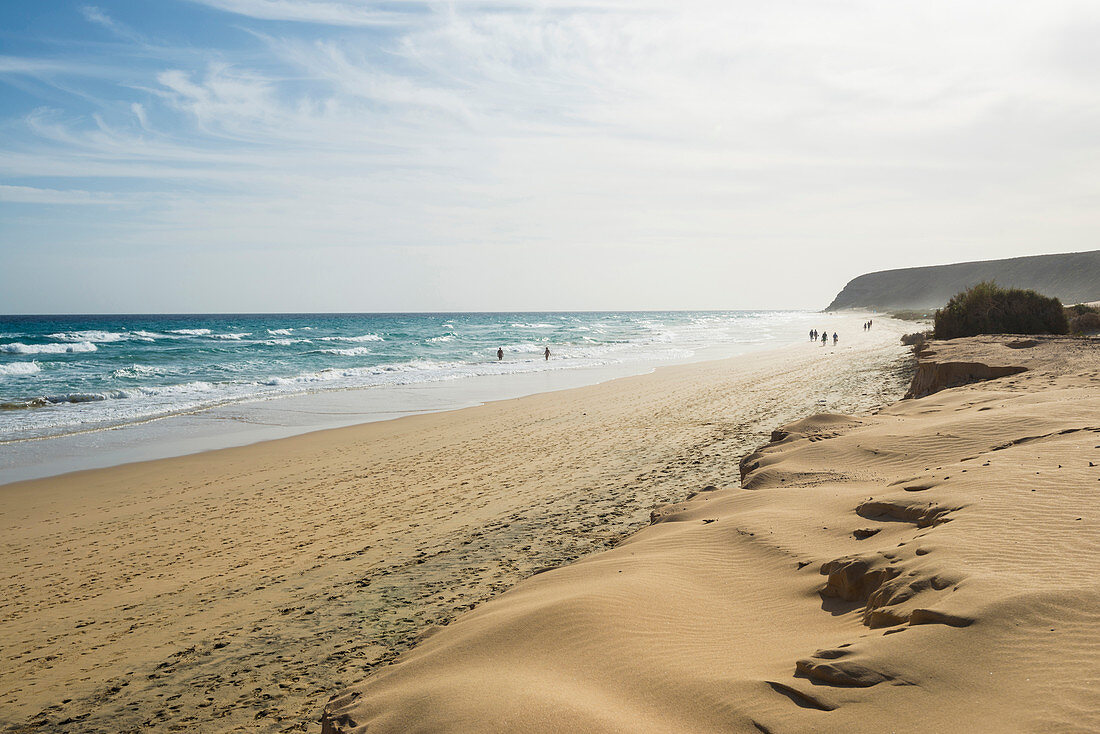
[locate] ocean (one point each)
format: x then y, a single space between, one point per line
67 375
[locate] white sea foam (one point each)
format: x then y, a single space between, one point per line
349 352
184 389
144 336
232 337
284 342
20 368
363 338
523 348
190 332
94 336
279 332
136 371
20 348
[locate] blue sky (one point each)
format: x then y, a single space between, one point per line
297 155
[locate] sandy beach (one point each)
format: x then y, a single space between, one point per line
241 589
554 368
927 567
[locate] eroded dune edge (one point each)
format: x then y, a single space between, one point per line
930 567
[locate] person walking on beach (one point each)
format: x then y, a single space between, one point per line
835 338
547 354
811 334
825 338
500 354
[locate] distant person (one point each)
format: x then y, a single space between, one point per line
547 354
835 338
825 338
811 334
500 354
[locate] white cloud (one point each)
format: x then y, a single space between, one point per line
49 67
799 138
96 15
333 12
31 195
139 112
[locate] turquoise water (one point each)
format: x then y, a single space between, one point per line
63 374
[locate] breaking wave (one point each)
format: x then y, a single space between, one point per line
20 348
20 368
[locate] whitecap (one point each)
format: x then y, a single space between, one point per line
232 337
279 332
362 338
284 342
136 371
190 332
88 336
20 368
20 348
349 352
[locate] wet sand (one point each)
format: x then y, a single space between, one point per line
240 589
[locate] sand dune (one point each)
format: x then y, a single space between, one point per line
238 590
929 567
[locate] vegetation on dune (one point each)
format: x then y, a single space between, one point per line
910 315
916 339
988 309
1083 319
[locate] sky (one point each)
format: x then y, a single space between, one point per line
346 155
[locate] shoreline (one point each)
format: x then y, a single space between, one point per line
250 421
178 587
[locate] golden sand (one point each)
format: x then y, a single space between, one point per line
932 567
238 590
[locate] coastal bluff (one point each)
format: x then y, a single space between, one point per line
1072 277
926 567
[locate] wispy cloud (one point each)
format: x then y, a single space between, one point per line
96 15
373 13
725 131
31 195
329 12
53 67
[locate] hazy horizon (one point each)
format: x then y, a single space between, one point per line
340 156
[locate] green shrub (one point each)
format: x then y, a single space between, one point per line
1080 309
910 315
1086 323
988 309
